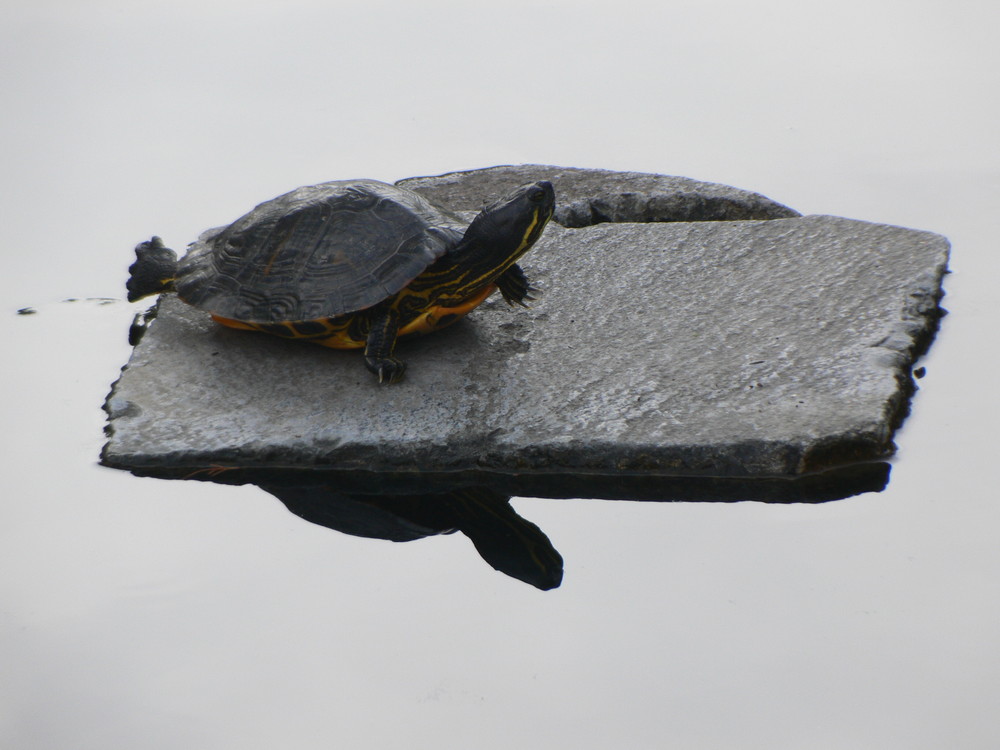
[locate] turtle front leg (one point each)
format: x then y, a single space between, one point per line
378 348
515 287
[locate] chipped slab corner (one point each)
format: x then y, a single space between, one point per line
723 358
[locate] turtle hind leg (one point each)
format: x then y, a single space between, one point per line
153 271
378 348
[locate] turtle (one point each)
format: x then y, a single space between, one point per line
352 264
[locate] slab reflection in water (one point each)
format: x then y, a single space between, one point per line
403 511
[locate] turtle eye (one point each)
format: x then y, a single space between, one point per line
536 195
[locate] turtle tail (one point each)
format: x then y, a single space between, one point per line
153 271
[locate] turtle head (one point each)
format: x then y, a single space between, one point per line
506 230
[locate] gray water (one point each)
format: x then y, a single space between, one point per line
152 614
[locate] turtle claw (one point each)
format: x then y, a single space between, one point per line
515 287
386 369
531 294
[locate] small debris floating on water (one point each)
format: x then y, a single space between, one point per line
94 300
97 300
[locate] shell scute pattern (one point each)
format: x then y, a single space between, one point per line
317 252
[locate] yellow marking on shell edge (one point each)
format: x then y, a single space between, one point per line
434 318
230 323
439 316
338 338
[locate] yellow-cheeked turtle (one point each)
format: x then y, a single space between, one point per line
351 264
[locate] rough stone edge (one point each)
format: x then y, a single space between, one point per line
909 340
817 487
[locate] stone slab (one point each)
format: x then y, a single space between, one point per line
594 196
723 350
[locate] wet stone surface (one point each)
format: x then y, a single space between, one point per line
736 351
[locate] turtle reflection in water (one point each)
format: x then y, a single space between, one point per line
506 541
352 265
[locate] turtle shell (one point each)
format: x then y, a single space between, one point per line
316 252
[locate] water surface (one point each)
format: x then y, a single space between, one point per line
144 613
